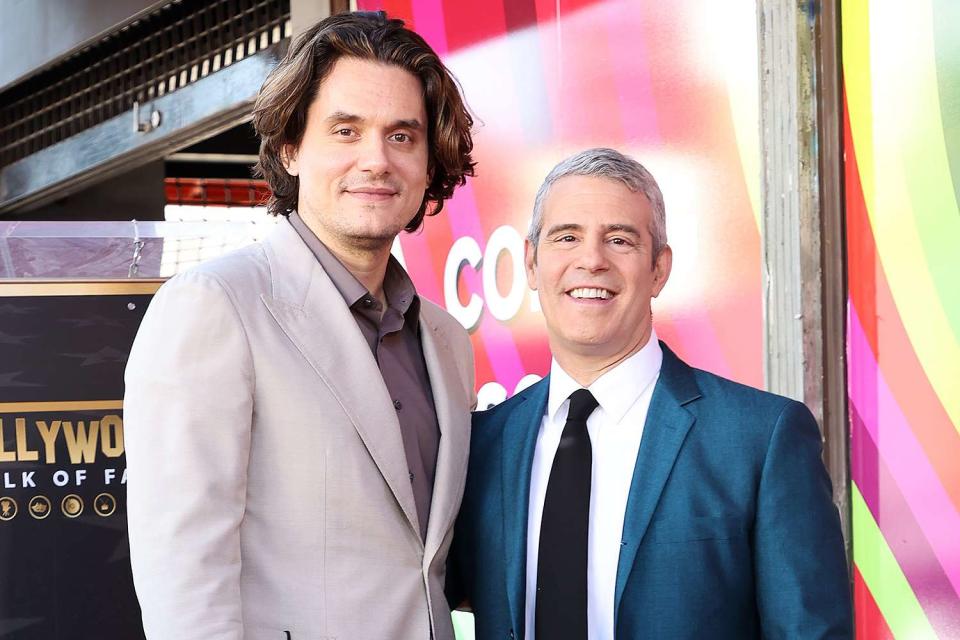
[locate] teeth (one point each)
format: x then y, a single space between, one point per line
584 292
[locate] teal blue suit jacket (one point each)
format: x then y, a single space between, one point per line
729 531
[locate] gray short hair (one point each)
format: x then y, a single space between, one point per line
605 163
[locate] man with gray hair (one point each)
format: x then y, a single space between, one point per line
628 495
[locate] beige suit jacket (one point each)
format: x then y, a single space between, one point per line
268 490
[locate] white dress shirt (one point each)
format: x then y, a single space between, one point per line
615 429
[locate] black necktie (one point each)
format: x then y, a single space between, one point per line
561 604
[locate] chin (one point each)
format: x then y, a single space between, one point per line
370 241
588 344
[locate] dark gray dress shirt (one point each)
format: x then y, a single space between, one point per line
394 339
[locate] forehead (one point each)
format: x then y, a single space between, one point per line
591 199
370 89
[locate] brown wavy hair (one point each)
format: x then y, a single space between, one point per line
280 112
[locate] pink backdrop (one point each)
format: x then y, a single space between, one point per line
673 84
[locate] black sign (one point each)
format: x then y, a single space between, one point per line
64 554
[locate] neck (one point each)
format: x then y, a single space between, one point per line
367 261
585 366
369 267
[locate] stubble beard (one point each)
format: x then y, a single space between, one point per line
367 243
334 227
374 240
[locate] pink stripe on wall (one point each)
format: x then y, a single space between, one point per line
694 338
902 453
418 256
428 20
638 107
497 338
902 533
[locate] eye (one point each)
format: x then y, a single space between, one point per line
566 238
621 242
400 137
345 132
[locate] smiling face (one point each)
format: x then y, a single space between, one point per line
362 162
595 271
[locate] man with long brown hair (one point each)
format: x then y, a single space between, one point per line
297 418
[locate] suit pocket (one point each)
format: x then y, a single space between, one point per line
694 528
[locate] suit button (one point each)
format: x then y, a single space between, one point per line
511 636
397 405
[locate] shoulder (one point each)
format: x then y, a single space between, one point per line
733 409
238 277
233 270
504 409
758 420
200 310
736 396
492 420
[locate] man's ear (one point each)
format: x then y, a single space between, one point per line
530 262
661 269
288 156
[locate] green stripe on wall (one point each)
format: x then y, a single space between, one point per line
884 578
920 130
946 17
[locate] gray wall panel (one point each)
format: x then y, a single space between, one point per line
34 33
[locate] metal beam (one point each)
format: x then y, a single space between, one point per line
197 111
802 219
789 195
833 379
218 158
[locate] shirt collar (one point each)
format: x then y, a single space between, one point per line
397 285
399 289
616 390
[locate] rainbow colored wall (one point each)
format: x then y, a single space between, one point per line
901 65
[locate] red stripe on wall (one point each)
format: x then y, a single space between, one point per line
519 14
402 9
861 246
870 622
472 22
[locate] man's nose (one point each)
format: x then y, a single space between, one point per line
592 255
373 155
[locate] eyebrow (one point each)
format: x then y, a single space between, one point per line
558 228
342 116
625 228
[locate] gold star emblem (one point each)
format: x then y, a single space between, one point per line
71 505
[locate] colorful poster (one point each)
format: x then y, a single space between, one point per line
675 85
63 541
902 153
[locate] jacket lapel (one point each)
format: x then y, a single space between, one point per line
667 425
454 420
311 312
519 442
